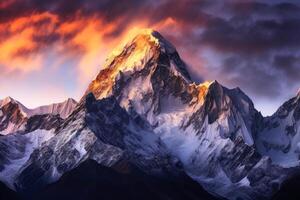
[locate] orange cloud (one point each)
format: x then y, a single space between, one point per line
89 40
91 37
19 42
20 39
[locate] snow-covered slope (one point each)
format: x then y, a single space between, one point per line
100 130
22 131
280 136
16 150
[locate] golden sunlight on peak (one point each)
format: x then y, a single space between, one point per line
206 84
136 32
137 46
139 36
202 90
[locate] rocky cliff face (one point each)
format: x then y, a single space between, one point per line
12 116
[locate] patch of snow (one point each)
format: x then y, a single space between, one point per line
31 141
281 147
11 127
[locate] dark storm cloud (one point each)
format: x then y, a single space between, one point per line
68 8
245 35
282 9
260 46
289 65
253 74
259 42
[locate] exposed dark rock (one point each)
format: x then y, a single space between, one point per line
46 122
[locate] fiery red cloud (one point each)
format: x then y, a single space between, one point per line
26 40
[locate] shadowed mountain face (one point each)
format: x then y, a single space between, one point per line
93 181
289 189
122 181
152 134
6 193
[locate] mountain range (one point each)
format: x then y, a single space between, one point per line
144 128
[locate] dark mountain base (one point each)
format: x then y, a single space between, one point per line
93 181
290 190
6 193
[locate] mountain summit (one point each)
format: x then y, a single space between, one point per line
145 52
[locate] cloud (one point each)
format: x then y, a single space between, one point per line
21 39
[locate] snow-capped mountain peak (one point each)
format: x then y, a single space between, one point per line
14 116
145 53
10 100
63 108
6 100
145 41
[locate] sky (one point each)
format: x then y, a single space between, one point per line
51 50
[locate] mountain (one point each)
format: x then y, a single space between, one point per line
144 110
100 130
210 128
63 109
280 137
25 130
14 115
